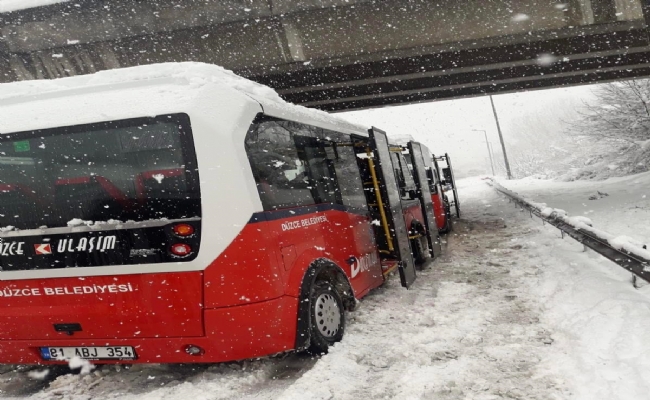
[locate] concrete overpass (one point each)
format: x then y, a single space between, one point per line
342 54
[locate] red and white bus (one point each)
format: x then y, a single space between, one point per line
177 213
446 188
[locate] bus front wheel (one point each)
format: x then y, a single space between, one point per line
327 317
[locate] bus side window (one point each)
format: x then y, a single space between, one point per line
404 176
349 178
277 166
398 173
431 177
296 165
318 168
407 174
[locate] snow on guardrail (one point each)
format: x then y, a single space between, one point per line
623 250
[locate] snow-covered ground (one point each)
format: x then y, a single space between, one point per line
510 311
620 206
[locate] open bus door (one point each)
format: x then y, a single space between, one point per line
419 155
448 174
393 221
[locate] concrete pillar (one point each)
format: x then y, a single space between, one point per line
580 12
294 41
629 10
604 11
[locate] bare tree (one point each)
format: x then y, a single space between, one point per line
620 113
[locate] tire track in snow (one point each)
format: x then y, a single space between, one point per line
236 380
469 328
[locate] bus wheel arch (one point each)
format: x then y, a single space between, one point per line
417 228
447 212
320 275
419 245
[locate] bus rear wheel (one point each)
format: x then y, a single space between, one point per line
420 248
327 317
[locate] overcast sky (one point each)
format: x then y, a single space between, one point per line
448 126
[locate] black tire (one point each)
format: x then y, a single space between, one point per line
327 317
420 247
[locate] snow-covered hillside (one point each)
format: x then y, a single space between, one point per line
620 206
510 310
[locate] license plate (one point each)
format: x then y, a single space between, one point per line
88 353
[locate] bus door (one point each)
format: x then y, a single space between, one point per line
393 222
419 153
448 174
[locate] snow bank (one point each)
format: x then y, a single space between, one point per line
601 322
629 245
580 223
615 160
621 205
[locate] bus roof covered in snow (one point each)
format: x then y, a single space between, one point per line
141 91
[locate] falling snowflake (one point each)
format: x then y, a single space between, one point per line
546 59
520 17
158 177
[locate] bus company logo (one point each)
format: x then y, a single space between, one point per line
363 264
11 248
290 225
99 243
43 249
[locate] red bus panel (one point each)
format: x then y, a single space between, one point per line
125 306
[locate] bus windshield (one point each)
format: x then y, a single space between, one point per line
129 170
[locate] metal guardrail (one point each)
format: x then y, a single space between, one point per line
639 266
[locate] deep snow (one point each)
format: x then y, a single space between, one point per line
620 206
511 310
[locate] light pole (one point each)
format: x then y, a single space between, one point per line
503 145
487 143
